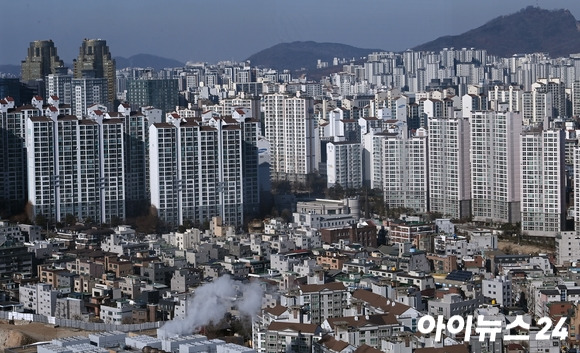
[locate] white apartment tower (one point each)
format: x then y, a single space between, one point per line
344 164
577 187
495 166
372 159
196 170
61 86
75 167
537 107
87 92
557 89
13 152
405 169
449 168
542 182
509 99
575 97
290 128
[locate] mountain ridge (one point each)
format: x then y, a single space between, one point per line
304 54
529 30
146 60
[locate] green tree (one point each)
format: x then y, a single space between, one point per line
41 221
335 192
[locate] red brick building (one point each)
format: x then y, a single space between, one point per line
364 233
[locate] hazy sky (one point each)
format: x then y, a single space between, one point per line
212 30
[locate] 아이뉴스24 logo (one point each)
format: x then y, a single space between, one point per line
427 324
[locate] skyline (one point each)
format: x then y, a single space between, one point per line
261 24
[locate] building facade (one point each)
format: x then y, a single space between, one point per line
75 167
449 171
405 167
543 182
160 93
95 61
196 170
495 166
41 60
344 164
290 129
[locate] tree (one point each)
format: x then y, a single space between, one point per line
281 187
335 192
41 221
70 219
316 184
286 215
115 221
396 212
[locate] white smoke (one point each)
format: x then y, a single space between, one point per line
211 302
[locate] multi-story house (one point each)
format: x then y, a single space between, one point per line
320 301
39 298
359 330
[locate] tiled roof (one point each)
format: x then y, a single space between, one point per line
277 310
309 288
359 321
294 326
333 344
378 301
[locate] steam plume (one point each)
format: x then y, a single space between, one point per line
211 302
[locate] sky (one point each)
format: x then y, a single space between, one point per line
214 30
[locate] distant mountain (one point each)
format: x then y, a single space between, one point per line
530 30
297 55
10 70
146 60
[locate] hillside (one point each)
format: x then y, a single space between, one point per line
297 55
530 30
146 60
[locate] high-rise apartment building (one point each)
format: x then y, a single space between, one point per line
406 171
449 168
577 187
75 167
136 129
537 107
41 60
13 152
557 89
61 86
505 98
87 92
344 164
290 128
542 181
196 170
159 93
495 166
94 61
575 98
251 128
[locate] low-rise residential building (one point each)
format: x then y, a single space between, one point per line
452 304
359 330
498 289
39 298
